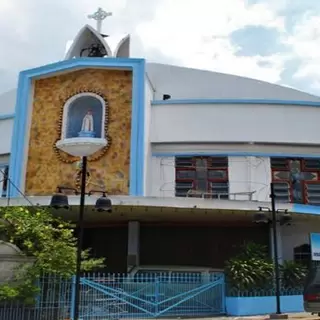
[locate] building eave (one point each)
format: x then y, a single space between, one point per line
187 203
153 209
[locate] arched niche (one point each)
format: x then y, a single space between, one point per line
76 109
86 38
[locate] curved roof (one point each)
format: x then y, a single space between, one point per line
187 83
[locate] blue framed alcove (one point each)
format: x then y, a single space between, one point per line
77 108
23 110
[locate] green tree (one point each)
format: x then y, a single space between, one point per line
49 240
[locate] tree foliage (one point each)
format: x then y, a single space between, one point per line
49 240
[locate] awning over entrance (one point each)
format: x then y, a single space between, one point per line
126 208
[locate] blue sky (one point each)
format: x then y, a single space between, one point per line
271 40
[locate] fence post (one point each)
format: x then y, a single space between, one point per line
40 293
73 293
223 292
156 296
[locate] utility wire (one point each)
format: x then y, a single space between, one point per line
10 183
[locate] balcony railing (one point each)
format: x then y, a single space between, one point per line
221 196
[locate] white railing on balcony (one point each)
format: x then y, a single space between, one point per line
221 196
238 190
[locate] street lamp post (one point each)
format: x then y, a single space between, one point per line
59 201
275 248
80 238
82 146
285 218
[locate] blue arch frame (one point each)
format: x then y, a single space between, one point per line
18 155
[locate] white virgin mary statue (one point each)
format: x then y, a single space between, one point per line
87 122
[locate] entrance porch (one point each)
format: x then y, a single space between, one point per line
172 232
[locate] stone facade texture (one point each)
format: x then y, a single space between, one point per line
44 170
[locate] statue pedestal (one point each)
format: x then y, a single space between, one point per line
81 147
86 134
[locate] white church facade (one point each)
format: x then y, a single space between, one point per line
182 153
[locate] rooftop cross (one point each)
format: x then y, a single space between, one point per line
99 16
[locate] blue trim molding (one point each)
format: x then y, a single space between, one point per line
305 208
237 101
7 116
18 156
234 154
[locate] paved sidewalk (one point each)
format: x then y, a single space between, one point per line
293 316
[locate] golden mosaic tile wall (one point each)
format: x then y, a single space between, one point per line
44 170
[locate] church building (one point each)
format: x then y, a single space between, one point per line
186 156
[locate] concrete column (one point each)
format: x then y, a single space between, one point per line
279 238
133 243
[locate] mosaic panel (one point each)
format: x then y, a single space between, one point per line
45 170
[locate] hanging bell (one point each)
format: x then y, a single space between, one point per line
286 219
59 201
260 217
103 204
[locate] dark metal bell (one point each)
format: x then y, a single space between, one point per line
59 201
260 217
286 218
103 204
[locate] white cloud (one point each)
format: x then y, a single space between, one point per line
316 85
193 33
197 34
12 18
305 41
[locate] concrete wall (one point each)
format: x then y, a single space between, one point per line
7 108
6 127
7 102
253 306
229 123
296 235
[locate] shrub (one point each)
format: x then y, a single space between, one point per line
293 274
250 269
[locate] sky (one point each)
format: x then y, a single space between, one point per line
277 41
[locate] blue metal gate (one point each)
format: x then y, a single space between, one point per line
151 296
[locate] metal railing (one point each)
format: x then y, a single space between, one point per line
115 296
222 195
264 292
